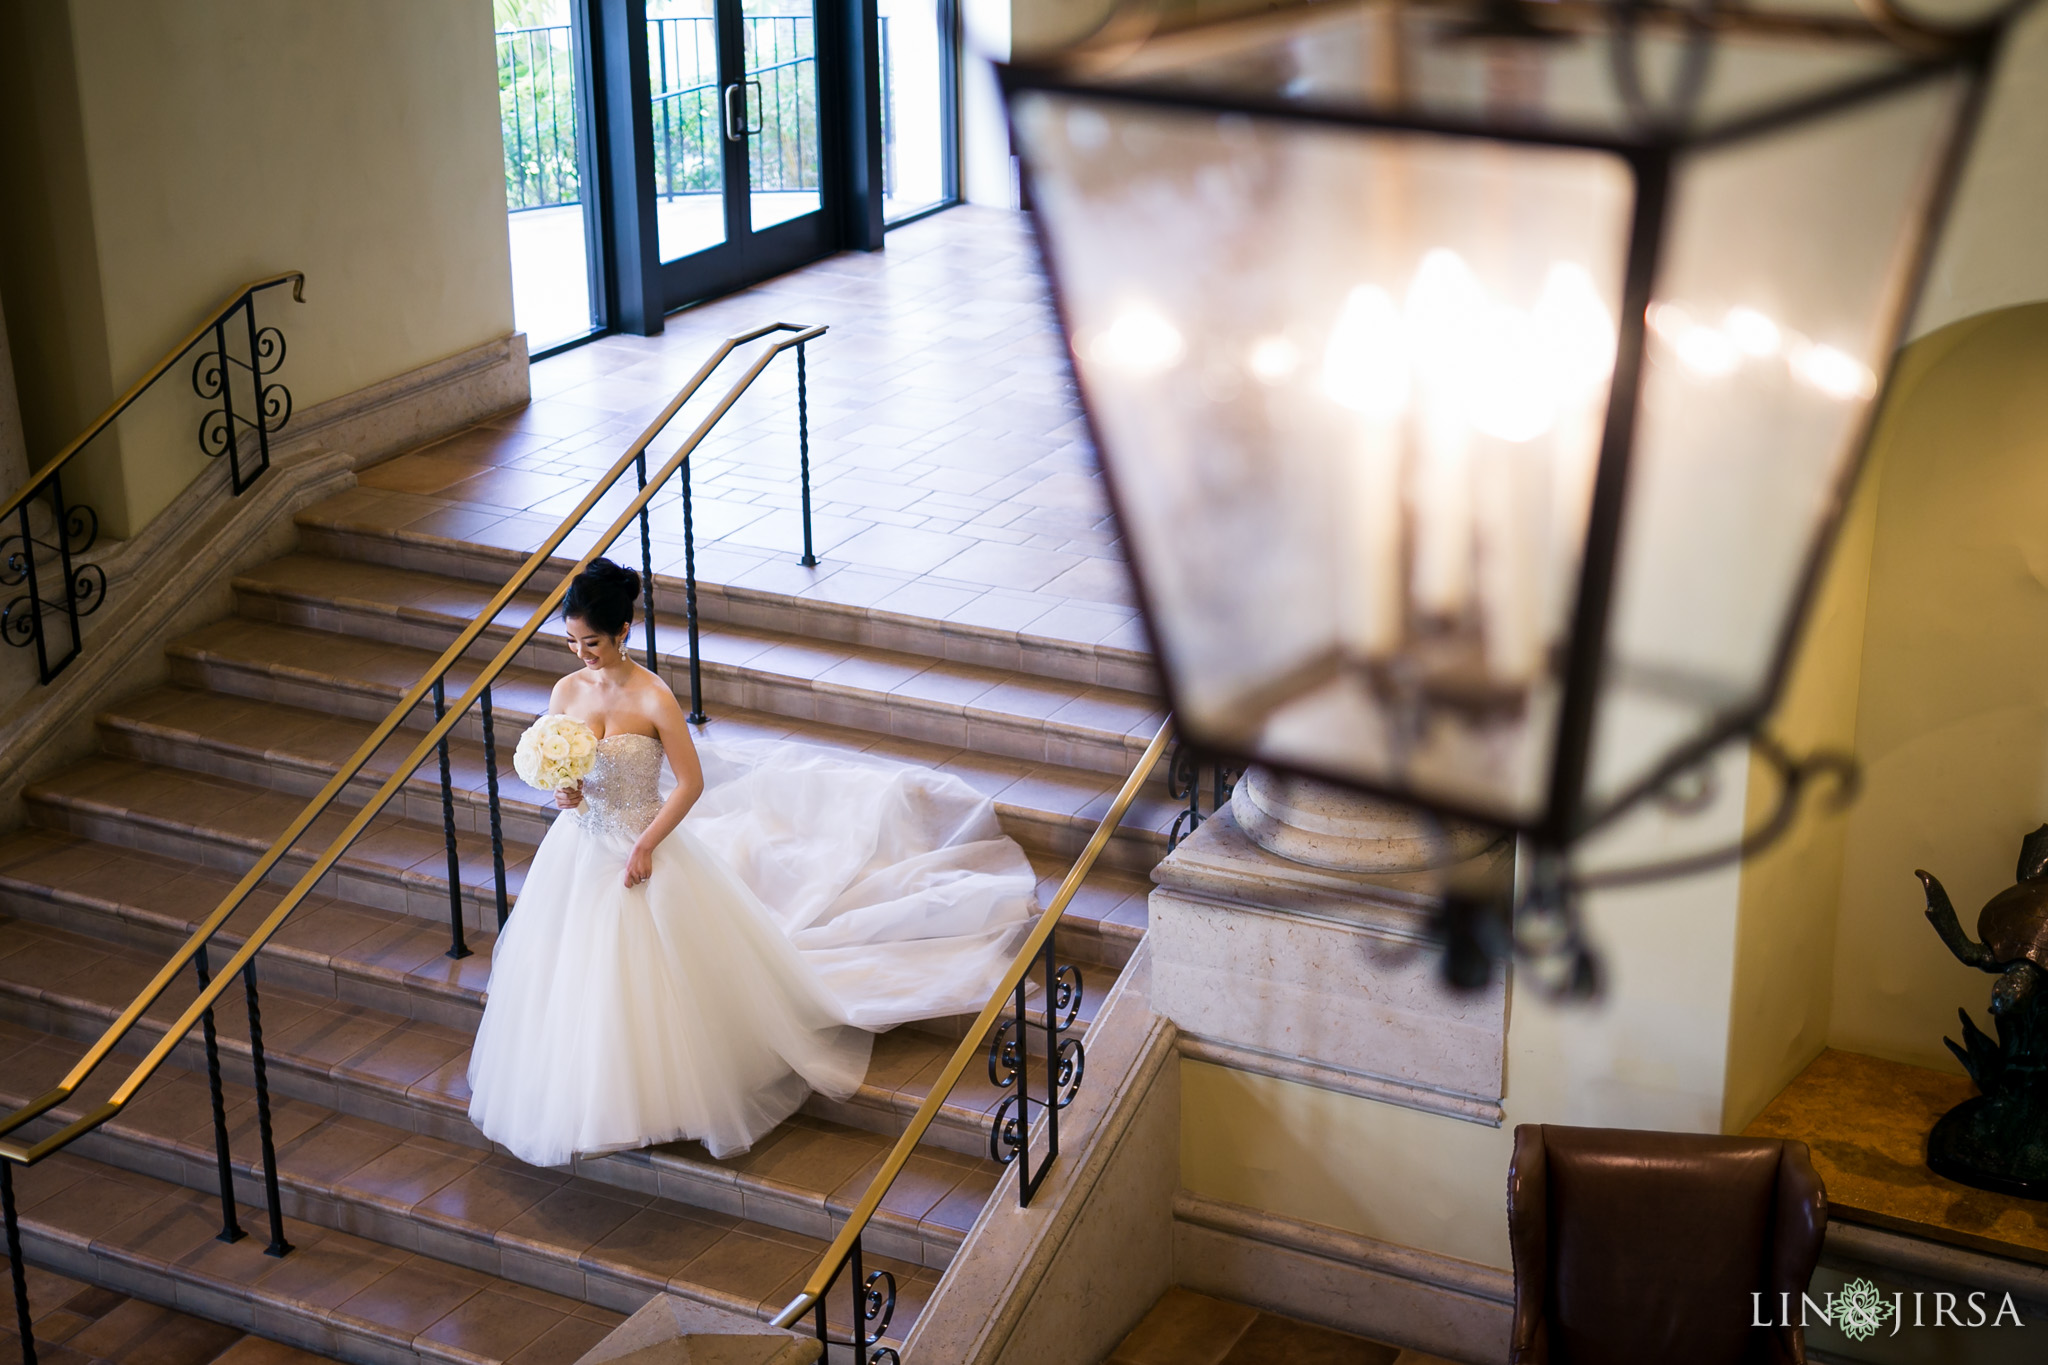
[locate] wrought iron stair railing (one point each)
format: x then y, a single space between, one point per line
1007 1046
27 559
194 952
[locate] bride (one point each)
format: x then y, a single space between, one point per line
692 964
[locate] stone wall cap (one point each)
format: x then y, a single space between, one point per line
671 1330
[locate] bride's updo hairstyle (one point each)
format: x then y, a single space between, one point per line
602 597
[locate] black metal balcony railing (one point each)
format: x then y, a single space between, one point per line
537 108
537 113
44 535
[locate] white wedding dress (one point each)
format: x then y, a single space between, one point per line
809 897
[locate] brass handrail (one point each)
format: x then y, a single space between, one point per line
27 1154
836 1255
155 372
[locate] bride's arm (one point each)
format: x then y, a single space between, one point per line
682 758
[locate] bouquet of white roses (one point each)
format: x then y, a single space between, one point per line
555 752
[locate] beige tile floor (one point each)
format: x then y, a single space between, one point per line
952 475
1185 1328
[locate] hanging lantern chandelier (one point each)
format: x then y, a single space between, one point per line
1479 387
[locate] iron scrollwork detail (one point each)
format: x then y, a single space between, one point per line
877 1306
47 537
37 565
1185 768
1009 1138
221 428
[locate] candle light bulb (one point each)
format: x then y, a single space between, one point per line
1140 341
1835 373
1365 363
1444 305
1506 377
1756 334
1444 308
1578 332
1273 359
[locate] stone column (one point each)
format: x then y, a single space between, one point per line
1290 938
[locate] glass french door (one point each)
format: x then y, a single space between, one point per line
739 133
550 198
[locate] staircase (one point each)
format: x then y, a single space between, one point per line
414 1240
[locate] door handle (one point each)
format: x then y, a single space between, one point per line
737 129
735 122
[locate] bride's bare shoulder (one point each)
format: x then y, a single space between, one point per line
658 701
566 686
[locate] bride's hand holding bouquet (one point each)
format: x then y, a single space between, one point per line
554 755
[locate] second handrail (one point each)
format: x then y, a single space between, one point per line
841 1250
26 1154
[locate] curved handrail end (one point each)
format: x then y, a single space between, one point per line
35 1108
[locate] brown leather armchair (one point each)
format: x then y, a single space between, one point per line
1639 1248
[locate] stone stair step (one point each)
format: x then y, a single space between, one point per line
396 864
991 708
76 1323
352 1296
389 961
297 748
410 1076
337 1294
356 526
597 1244
399 864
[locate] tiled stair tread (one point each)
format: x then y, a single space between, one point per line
401 957
222 815
360 524
421 1068
235 821
488 1213
335 1293
76 1323
316 742
980 693
347 1295
377 1049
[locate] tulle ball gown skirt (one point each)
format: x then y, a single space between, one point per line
687 1007
672 1009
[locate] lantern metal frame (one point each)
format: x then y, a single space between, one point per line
1650 152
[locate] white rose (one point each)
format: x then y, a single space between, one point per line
555 747
582 745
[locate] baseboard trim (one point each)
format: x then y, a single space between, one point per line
407 410
1397 1294
1470 1108
1903 1261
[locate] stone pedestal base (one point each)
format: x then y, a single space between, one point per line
1323 975
1323 826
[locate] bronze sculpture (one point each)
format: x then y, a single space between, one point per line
1998 1139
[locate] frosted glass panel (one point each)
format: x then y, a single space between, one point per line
1371 465
1771 330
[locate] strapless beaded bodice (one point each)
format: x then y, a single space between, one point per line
623 792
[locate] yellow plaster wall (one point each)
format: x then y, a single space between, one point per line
1785 911
1990 255
49 271
1653 1055
221 141
1952 722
